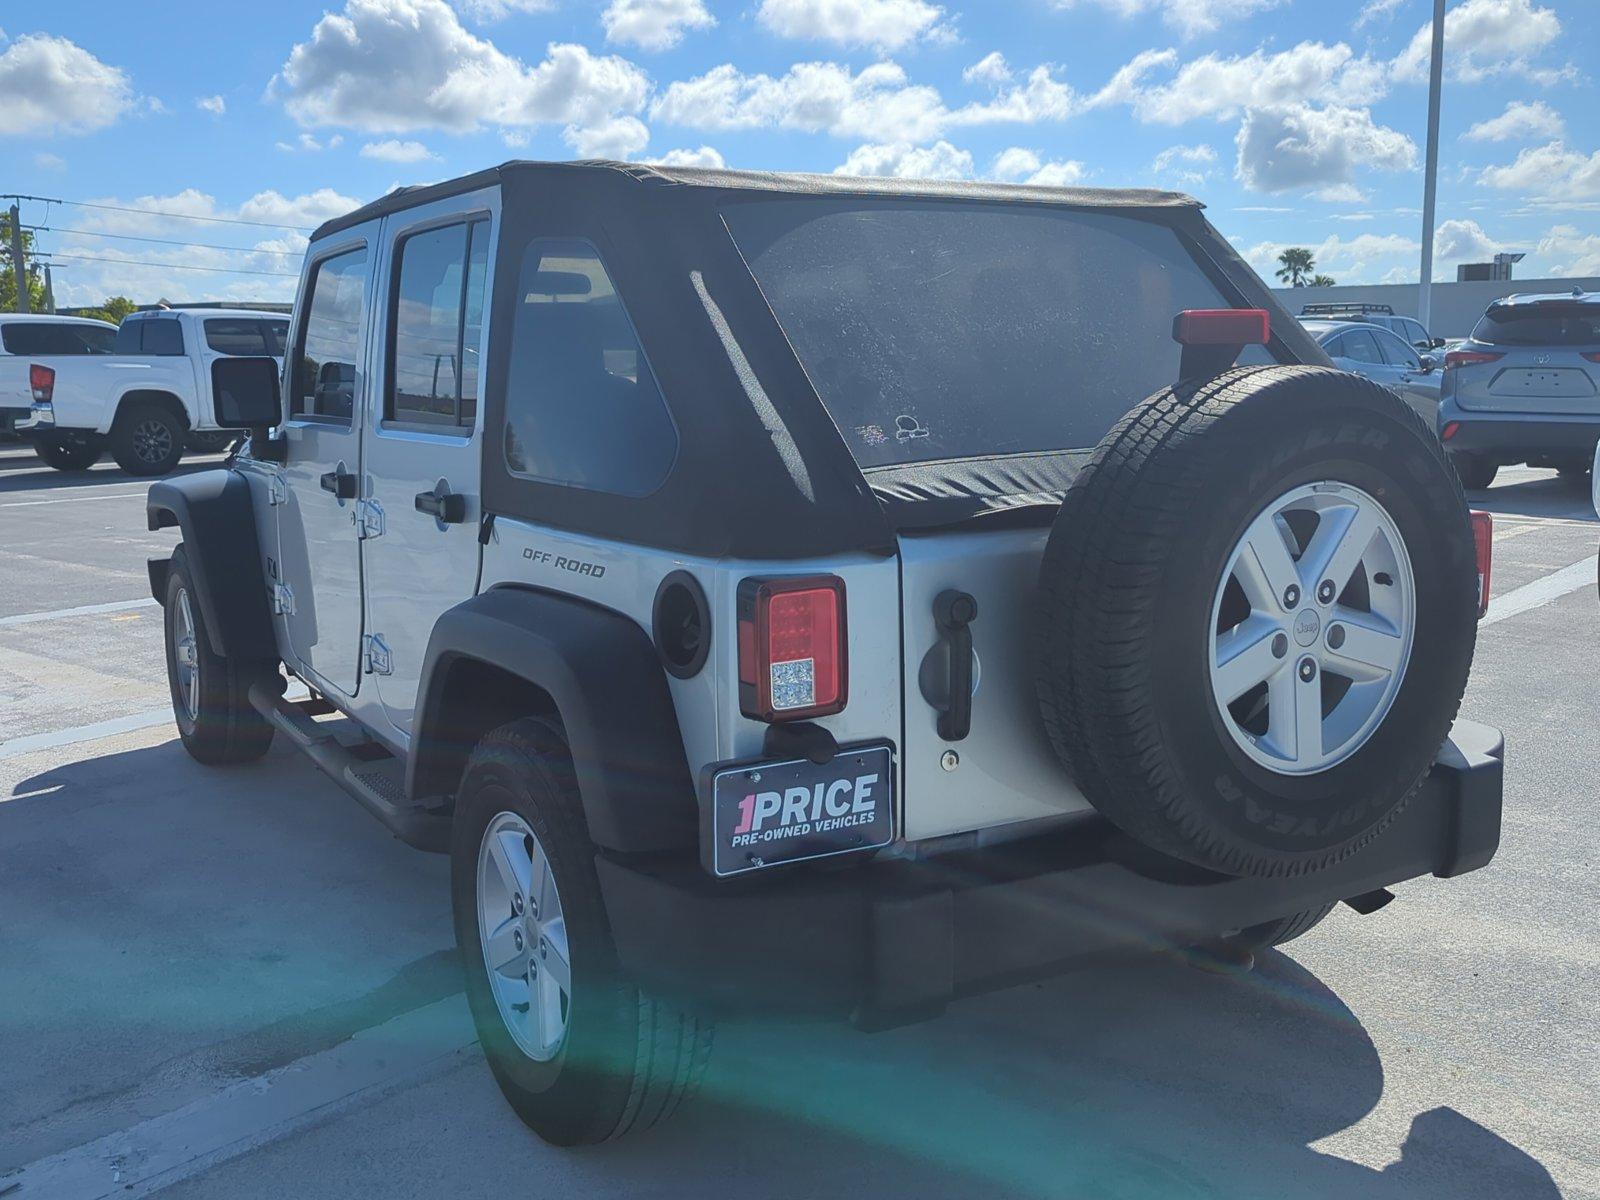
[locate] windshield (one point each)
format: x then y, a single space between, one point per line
1544 324
935 331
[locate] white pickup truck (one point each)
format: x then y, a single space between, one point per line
24 337
151 397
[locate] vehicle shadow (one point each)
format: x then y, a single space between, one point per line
1544 495
22 473
1131 1078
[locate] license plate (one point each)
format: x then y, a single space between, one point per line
764 814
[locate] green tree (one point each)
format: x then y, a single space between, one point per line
1295 266
113 310
8 274
1321 281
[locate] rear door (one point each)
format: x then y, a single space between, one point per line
424 451
326 378
1420 389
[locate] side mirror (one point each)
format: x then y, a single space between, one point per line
1429 364
1437 344
245 394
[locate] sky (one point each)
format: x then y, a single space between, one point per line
1297 122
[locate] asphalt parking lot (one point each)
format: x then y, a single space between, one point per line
234 983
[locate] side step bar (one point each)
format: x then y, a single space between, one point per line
376 784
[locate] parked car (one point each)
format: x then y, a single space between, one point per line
151 397
642 535
24 335
1409 329
1525 388
1384 357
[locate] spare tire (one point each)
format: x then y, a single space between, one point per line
1257 616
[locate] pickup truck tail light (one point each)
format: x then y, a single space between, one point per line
1592 355
42 380
1467 358
792 657
1483 539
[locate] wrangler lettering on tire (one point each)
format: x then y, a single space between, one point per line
1252 669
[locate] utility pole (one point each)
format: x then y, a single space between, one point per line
19 264
1430 186
49 291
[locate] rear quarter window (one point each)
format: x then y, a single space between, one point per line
229 335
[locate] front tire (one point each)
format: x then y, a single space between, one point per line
1283 930
147 439
581 1054
210 691
69 451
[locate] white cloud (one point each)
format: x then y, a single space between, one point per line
395 151
992 68
1521 121
1463 241
395 66
705 156
883 24
215 105
310 145
1041 98
50 85
1018 164
616 137
1188 164
1355 260
46 161
1222 86
1485 37
1549 172
1571 251
1373 10
1303 147
496 10
939 161
654 24
1190 17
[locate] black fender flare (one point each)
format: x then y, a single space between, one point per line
213 510
601 671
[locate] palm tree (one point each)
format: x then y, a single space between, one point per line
1321 281
1295 266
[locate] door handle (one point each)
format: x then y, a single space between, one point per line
953 613
341 483
449 508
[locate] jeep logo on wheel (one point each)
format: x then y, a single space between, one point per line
1306 627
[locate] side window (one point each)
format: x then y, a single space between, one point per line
1334 346
435 323
582 405
324 377
52 338
1399 354
163 335
227 335
1360 346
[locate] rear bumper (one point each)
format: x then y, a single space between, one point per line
1517 434
897 940
40 416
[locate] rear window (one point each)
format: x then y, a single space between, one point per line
935 331
1543 324
157 335
42 337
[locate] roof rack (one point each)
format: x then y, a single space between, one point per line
1308 310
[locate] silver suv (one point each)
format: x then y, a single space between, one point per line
825 593
1525 388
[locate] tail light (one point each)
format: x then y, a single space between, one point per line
1449 431
43 382
792 658
1483 541
1592 355
1467 358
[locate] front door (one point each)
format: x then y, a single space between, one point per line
319 552
424 451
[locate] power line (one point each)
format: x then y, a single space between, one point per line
130 237
151 212
135 262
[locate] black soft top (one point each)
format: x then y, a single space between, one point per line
603 172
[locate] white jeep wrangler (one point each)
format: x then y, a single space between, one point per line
826 593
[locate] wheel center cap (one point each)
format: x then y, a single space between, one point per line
1306 627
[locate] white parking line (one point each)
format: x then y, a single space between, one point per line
72 499
159 1152
83 610
83 733
1541 591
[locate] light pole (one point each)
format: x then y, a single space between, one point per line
1430 187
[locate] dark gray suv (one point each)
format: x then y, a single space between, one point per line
1525 388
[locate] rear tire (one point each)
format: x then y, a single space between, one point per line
212 441
599 1058
147 439
1576 474
69 451
210 691
1284 929
1475 471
